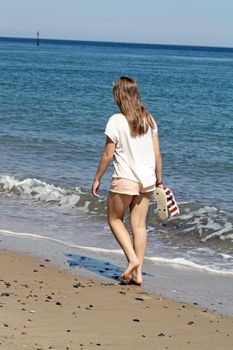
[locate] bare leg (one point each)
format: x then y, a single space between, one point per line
138 213
117 205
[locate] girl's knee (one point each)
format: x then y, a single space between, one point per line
112 220
138 226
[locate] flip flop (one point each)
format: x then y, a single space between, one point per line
161 200
171 202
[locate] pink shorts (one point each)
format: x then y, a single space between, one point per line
130 187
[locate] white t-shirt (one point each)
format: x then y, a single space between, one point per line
134 157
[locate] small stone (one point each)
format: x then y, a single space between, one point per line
136 320
139 299
190 323
35 270
68 330
78 285
58 303
161 334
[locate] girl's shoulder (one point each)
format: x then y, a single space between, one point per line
114 126
117 119
118 116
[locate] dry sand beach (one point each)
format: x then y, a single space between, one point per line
42 307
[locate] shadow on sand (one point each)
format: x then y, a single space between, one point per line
97 266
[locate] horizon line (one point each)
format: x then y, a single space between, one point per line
119 42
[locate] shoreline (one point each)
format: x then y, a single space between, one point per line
173 282
57 309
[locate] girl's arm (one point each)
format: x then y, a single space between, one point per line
158 160
103 164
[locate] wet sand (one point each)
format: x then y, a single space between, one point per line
42 307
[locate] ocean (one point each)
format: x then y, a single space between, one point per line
55 100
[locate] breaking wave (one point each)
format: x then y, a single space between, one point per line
205 224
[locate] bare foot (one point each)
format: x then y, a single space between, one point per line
128 272
136 276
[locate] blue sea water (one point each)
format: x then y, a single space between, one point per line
55 100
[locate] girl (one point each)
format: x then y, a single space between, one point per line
133 144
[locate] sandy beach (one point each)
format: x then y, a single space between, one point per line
42 307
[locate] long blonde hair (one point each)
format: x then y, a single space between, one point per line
126 95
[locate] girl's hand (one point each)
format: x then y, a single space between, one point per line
159 185
95 188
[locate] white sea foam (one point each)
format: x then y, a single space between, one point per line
226 256
188 263
185 216
40 191
181 262
208 221
227 228
230 236
36 236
